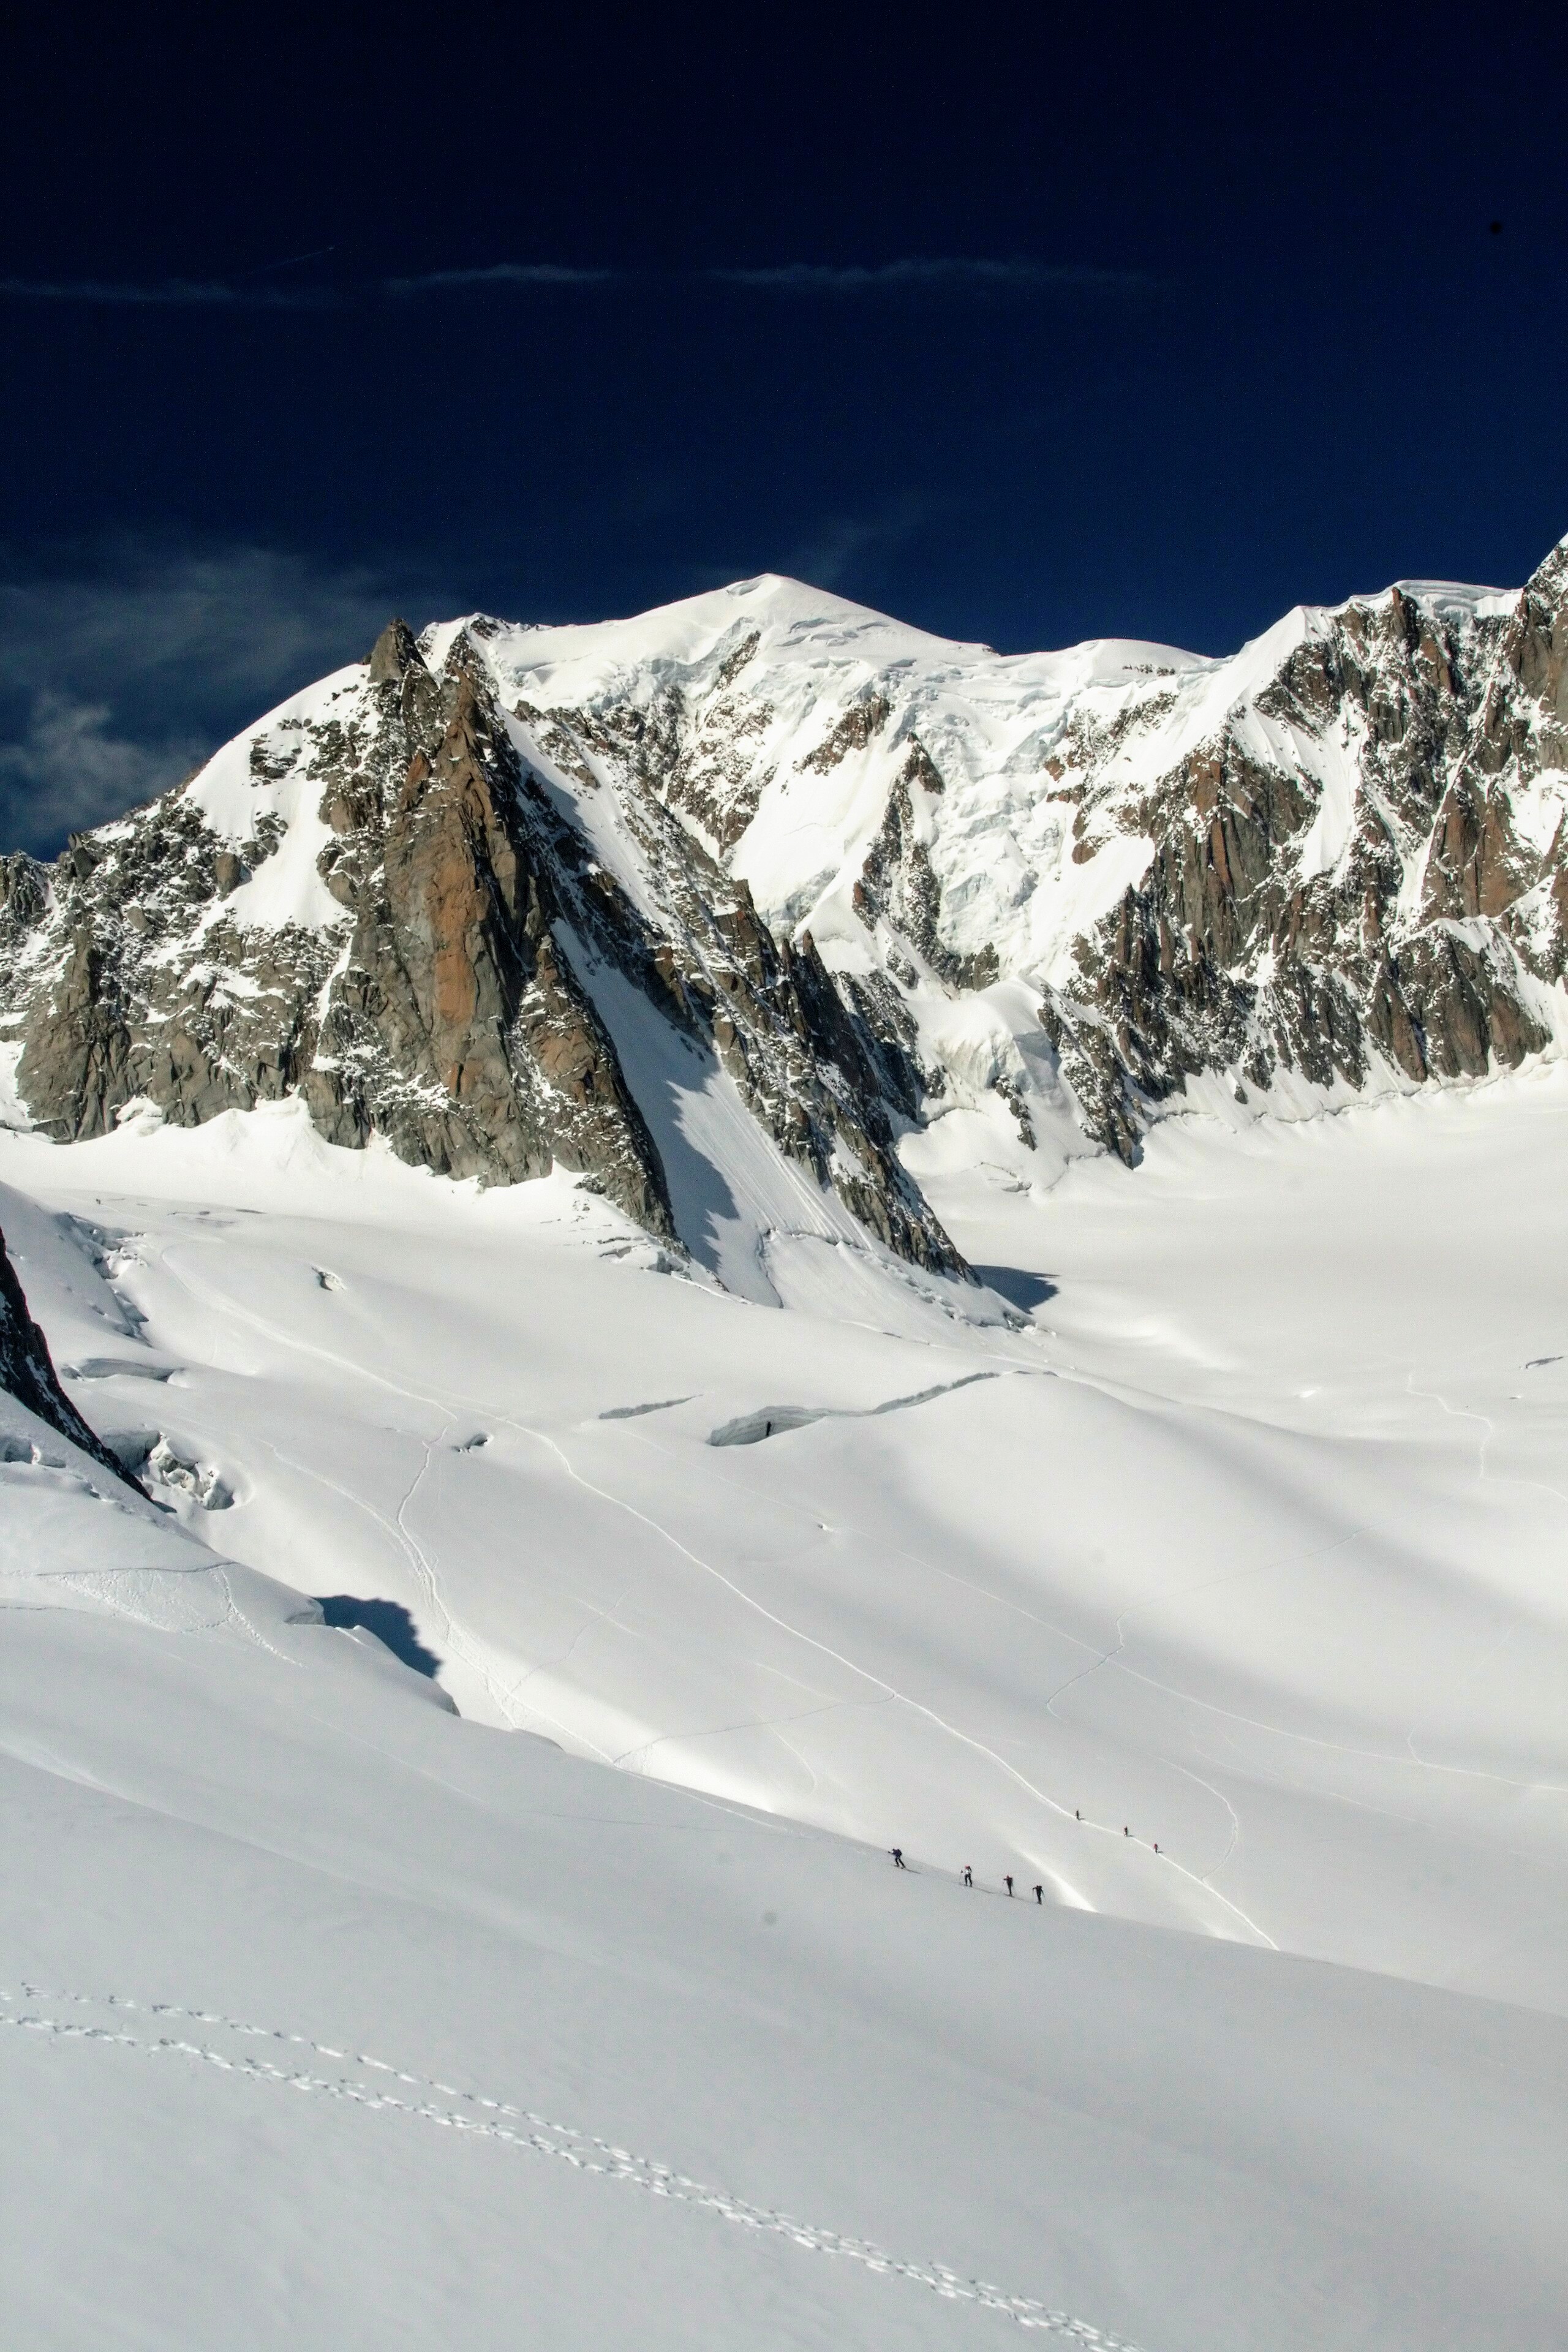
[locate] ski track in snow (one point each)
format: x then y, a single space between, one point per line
451 1407
1483 1477
916 1706
488 2118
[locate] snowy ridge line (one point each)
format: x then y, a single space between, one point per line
544 2138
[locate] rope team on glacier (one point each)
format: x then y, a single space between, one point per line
967 1873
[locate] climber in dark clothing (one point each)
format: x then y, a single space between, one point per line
968 1875
1008 1884
1039 1894
898 1861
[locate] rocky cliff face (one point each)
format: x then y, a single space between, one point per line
1407 911
507 897
28 1373
376 899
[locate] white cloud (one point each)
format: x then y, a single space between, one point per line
68 772
115 683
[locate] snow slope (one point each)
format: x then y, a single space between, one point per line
1245 1541
329 2020
331 2017
516 1996
990 721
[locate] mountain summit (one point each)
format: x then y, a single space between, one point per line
722 903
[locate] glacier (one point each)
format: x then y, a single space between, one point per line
1181 1538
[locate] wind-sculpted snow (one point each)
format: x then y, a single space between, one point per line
778 1420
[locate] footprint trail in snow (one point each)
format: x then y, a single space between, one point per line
513 2126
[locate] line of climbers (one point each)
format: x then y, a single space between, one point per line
1038 1892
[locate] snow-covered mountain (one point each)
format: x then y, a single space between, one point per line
719 904
500 1158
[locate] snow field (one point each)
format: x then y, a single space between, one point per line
1299 1642
1240 1537
495 2119
1174 2141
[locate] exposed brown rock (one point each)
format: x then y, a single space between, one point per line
852 732
392 654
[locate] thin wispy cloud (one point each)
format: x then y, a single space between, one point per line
936 273
70 769
500 273
933 275
290 261
163 294
838 548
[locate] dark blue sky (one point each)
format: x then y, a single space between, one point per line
1023 327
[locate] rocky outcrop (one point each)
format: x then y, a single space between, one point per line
453 1026
1422 941
429 977
28 1373
123 979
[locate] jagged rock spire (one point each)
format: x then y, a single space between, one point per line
392 653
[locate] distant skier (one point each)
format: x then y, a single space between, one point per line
1008 1884
898 1861
1039 1894
1076 1814
1156 1845
1125 1830
968 1875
